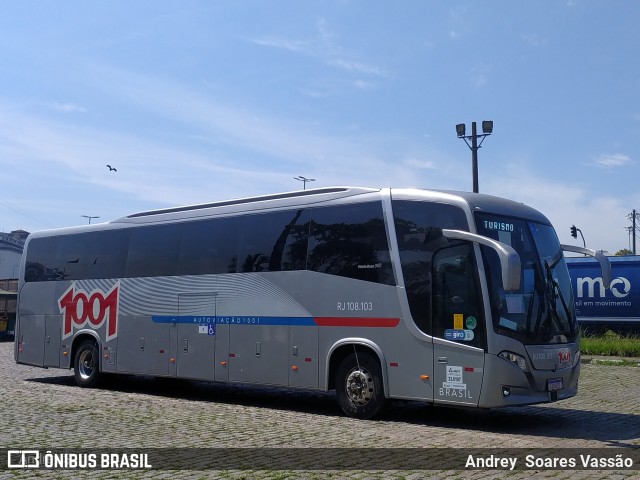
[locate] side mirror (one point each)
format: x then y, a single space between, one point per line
509 258
605 265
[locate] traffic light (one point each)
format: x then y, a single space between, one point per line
574 231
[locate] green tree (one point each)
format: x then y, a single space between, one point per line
623 252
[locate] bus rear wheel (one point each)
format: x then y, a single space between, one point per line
86 364
359 387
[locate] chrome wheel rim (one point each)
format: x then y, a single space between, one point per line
359 386
85 364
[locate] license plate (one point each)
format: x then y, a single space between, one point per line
554 384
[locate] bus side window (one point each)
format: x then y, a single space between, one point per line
78 256
42 260
419 234
457 300
153 251
209 247
271 242
350 241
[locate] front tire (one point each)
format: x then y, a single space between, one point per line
359 387
86 364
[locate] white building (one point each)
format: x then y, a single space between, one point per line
11 246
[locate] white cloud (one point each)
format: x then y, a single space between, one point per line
286 44
67 107
325 48
479 75
534 40
362 85
420 163
612 160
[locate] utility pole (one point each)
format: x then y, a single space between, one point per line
633 216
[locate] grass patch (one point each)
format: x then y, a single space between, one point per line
611 344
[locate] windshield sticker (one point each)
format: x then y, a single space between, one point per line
459 335
515 303
533 229
457 321
471 322
508 324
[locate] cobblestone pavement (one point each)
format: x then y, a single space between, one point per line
43 409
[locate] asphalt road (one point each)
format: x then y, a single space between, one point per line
44 410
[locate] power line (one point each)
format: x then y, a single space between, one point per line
25 214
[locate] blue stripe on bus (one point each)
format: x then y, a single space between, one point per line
233 320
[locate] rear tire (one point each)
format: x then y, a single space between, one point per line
359 387
86 364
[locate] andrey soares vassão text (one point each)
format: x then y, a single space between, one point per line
586 461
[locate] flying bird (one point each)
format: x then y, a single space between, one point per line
111 169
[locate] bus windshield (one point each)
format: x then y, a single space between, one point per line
542 310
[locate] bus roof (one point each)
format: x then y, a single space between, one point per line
301 198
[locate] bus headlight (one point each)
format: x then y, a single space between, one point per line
515 359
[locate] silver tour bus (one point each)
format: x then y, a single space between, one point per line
449 298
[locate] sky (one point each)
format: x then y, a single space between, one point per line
197 101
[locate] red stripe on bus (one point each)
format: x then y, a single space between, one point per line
356 322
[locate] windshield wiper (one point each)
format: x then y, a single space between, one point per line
553 293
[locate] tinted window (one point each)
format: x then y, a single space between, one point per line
42 262
208 247
418 230
95 255
153 251
350 241
273 241
457 301
75 257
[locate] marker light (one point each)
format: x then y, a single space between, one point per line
515 359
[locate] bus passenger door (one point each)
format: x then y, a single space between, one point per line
196 336
458 327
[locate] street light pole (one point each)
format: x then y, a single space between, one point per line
304 180
487 129
89 217
474 156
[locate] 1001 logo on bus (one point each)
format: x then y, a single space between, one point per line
80 308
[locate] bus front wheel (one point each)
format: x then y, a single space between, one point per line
359 387
86 364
